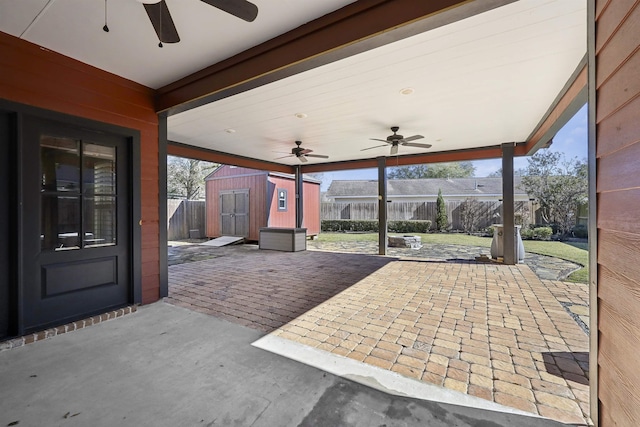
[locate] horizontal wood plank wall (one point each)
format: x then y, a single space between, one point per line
282 218
618 218
45 79
256 184
311 203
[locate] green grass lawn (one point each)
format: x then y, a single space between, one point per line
570 251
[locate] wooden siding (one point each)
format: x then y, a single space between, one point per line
618 198
48 80
227 170
311 206
279 218
256 184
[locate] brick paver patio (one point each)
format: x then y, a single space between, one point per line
493 331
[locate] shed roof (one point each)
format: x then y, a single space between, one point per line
423 187
244 171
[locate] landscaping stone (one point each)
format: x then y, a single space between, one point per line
413 242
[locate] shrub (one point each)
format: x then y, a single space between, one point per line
371 225
537 233
442 222
416 226
361 225
526 233
542 233
580 231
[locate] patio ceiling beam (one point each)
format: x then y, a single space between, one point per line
572 97
355 28
191 152
493 152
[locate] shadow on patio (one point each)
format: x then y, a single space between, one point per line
265 290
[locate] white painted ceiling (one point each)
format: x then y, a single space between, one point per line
482 81
130 49
478 82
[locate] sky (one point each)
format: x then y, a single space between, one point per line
570 140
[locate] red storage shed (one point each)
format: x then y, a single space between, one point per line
240 201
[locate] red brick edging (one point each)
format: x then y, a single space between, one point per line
69 327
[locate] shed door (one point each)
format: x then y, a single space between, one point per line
234 213
77 219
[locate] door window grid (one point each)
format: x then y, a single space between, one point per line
78 194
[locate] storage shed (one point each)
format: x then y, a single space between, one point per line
240 201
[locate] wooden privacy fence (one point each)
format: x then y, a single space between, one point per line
488 213
185 216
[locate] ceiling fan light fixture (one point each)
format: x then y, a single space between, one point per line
149 1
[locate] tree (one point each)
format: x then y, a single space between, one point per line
498 173
470 211
185 177
559 186
442 223
435 170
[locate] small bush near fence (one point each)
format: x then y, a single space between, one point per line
364 225
409 226
538 233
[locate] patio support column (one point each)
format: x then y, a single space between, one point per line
508 217
299 199
382 206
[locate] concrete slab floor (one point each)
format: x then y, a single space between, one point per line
169 366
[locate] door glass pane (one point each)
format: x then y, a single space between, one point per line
99 221
59 164
99 174
60 222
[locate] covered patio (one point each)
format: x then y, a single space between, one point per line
477 79
484 332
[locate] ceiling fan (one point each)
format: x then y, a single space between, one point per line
162 22
302 153
396 140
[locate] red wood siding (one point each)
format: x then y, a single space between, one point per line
41 78
227 170
282 218
618 199
311 202
311 205
256 184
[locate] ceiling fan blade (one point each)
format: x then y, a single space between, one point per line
394 150
303 159
242 9
411 138
319 156
416 144
283 157
162 22
306 151
381 140
371 148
